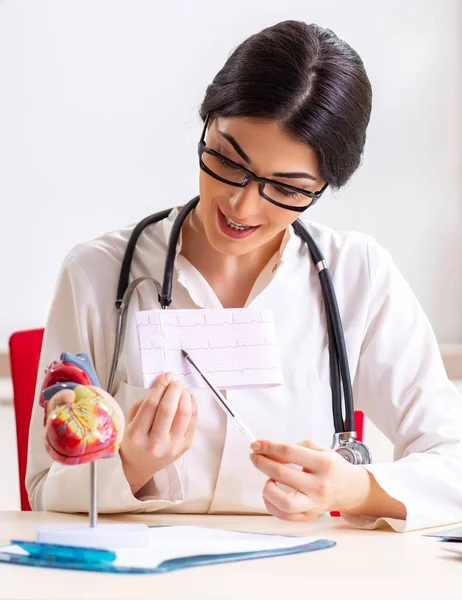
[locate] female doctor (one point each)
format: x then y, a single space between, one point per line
291 105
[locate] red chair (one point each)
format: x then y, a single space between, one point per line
359 422
25 348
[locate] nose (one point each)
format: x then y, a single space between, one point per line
246 201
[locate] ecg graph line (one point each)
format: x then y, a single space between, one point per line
243 340
265 344
162 324
184 373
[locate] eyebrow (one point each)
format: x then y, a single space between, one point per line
244 156
295 175
236 146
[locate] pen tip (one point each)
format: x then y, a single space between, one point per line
184 353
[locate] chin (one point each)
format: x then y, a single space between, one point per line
231 248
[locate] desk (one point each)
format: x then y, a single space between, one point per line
366 564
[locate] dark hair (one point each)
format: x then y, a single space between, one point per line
309 80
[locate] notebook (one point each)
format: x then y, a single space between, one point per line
170 548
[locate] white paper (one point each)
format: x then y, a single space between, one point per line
234 347
166 543
174 542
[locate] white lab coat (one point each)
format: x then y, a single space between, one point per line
399 379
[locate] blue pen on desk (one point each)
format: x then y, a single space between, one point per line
220 399
56 553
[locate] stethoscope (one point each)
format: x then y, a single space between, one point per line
345 442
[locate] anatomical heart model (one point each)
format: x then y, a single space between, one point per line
83 423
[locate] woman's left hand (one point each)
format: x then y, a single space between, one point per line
326 482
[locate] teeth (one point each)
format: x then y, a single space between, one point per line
235 225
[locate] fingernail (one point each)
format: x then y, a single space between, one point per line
255 446
168 377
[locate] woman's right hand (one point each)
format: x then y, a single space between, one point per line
158 430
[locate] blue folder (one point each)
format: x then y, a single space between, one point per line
89 559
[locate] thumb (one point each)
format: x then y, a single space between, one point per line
311 445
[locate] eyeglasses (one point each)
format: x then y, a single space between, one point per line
227 171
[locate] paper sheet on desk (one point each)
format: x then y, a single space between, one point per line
173 548
235 347
167 543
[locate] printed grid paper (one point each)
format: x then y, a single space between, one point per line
234 347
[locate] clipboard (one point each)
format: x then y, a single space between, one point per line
34 554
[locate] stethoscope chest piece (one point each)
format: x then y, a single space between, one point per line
351 449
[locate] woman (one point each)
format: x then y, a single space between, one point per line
291 104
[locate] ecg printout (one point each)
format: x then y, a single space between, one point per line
236 347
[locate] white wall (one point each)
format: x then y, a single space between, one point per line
98 127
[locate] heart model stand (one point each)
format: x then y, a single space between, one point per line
81 431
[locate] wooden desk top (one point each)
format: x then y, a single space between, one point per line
366 564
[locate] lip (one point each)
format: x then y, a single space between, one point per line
234 233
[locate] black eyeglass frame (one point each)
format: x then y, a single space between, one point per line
250 176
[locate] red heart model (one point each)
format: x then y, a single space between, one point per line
86 429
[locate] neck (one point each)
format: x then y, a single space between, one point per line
231 277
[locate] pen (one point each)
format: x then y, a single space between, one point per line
60 553
220 399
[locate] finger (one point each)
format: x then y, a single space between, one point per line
145 415
287 502
281 473
296 517
182 417
308 458
133 410
166 411
189 435
312 445
62 397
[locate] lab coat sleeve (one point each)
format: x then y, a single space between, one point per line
76 324
402 386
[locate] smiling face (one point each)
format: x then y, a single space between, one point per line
239 220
